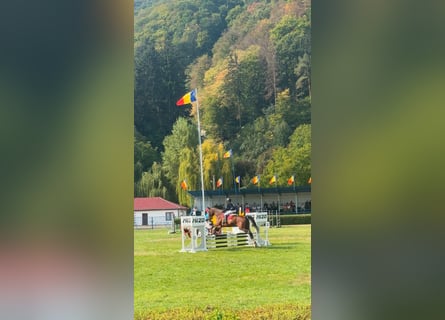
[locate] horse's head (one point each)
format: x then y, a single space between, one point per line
211 212
216 215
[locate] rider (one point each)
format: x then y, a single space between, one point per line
230 208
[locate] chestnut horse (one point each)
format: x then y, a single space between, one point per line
243 223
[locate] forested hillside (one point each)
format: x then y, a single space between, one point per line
250 61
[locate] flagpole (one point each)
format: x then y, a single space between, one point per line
200 153
278 193
259 181
233 172
296 197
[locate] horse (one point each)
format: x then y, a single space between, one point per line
243 223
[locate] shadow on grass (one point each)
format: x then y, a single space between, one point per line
287 246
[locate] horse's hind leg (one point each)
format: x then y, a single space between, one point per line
251 237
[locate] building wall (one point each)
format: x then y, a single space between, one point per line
156 217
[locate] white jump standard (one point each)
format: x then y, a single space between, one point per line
261 221
197 226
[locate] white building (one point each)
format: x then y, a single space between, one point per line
156 211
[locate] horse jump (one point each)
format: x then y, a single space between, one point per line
220 221
202 239
227 240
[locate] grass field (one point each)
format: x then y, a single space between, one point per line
238 283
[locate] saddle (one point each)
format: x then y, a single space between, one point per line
228 215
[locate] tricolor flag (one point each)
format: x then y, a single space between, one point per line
219 182
238 179
187 98
273 179
184 185
255 179
228 154
310 180
290 180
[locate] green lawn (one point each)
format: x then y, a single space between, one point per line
238 283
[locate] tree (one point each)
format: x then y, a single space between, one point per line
189 171
291 37
303 73
155 93
295 159
153 183
184 135
144 156
254 91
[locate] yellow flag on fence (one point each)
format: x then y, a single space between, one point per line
290 180
273 179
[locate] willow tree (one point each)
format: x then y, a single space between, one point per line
226 173
212 152
215 166
190 172
152 183
184 135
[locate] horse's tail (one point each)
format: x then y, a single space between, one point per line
252 221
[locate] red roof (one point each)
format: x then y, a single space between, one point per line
155 203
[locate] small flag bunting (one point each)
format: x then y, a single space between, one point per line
228 154
290 180
273 180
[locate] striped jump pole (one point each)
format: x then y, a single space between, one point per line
228 240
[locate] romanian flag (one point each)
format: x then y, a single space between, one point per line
184 185
219 182
187 98
310 180
255 179
273 180
228 154
238 179
290 180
